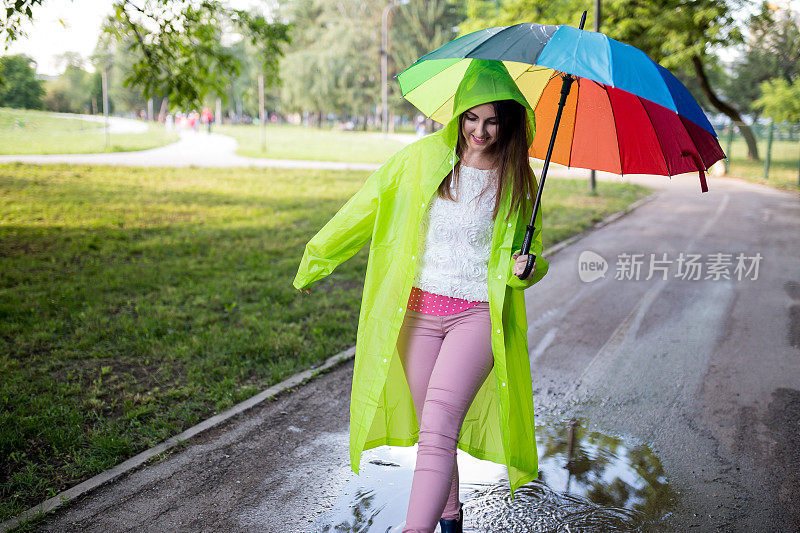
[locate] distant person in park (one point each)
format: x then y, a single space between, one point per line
441 352
207 118
419 128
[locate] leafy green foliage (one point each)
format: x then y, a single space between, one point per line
20 88
118 54
416 29
489 13
772 49
333 64
176 46
672 32
420 27
179 50
14 13
780 100
76 90
334 61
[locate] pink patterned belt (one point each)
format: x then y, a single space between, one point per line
436 304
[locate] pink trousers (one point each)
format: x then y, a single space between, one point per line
446 360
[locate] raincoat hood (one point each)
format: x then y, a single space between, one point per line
485 81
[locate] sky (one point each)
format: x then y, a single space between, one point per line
74 25
70 26
48 36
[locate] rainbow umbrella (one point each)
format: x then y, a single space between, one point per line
626 113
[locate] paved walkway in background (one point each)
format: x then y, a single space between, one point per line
198 149
115 124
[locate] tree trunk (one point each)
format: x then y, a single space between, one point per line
723 107
162 113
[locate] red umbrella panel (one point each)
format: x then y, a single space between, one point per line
605 128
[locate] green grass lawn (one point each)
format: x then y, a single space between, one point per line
136 302
39 132
784 165
314 144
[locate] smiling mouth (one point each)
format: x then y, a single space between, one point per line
479 141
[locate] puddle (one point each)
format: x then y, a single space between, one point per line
588 482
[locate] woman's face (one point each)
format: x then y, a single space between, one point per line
480 127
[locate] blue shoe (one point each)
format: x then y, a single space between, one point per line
453 526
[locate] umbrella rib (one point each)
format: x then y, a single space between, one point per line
616 131
655 132
574 119
689 133
504 30
511 45
438 108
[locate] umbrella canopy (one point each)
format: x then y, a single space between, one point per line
625 113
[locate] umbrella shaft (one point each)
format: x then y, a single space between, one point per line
565 88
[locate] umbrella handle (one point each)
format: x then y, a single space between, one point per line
526 248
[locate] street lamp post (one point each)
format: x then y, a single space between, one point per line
262 115
104 76
385 63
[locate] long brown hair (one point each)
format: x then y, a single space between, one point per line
510 152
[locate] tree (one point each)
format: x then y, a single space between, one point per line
418 28
178 43
16 12
74 89
780 100
179 49
242 92
490 13
333 62
117 54
772 50
20 87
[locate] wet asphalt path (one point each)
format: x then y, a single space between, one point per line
704 372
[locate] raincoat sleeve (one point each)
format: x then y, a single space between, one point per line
345 233
541 265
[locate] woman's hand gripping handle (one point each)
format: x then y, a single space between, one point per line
525 261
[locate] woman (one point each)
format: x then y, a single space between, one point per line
448 213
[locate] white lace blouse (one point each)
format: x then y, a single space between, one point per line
456 237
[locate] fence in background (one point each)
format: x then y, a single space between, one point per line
778 150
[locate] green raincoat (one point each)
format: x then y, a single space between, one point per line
388 209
